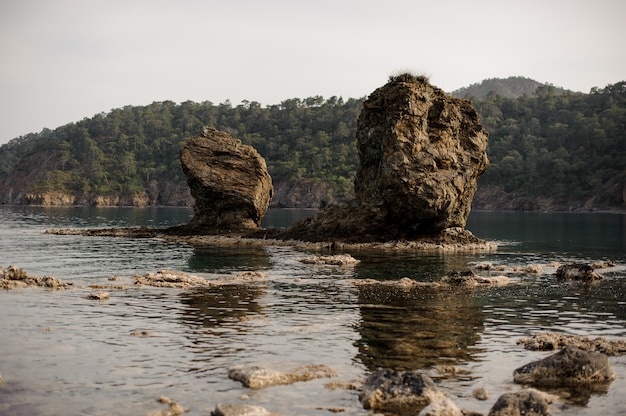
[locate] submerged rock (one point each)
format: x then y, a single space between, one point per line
229 182
577 271
420 155
170 278
554 341
569 367
469 278
98 296
239 410
335 260
13 277
182 280
256 377
444 407
400 392
174 409
528 402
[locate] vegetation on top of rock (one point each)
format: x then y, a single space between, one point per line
409 77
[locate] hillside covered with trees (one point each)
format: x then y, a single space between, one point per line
512 87
549 150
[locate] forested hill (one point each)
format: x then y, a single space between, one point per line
512 87
130 156
552 150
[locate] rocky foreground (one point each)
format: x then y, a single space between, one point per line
578 364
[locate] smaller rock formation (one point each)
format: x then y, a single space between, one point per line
175 409
444 407
256 377
13 277
223 409
577 271
98 296
569 367
229 182
400 392
182 280
334 260
523 403
468 278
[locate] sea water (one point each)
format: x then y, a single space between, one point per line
61 353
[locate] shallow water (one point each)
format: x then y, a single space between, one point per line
64 354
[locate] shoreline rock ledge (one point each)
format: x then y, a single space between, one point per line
420 155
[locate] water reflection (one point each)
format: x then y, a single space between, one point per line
214 259
425 267
221 305
416 329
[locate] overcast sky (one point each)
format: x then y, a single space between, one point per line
64 60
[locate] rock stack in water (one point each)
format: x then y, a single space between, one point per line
229 182
421 153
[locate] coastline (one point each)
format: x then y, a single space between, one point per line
452 242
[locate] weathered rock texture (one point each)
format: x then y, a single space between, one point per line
14 277
256 377
555 341
421 153
570 366
229 182
523 403
400 392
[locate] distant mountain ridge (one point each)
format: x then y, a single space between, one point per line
512 87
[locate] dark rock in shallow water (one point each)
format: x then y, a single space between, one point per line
229 182
400 392
577 271
569 367
522 403
421 153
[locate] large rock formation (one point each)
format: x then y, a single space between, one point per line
421 153
228 180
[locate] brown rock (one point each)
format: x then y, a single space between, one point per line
13 277
522 403
577 271
401 392
421 153
256 377
570 366
228 180
547 341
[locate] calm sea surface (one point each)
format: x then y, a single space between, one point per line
63 354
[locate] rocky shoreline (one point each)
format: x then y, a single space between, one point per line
579 363
451 240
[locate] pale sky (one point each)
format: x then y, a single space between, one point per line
64 60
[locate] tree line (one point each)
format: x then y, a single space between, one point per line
565 146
